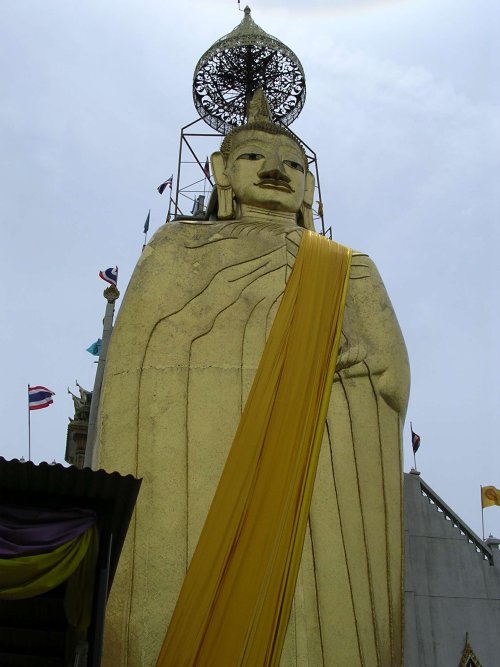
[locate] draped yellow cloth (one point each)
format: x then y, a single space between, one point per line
235 602
28 576
80 587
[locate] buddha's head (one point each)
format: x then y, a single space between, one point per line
262 166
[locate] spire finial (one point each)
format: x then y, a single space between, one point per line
258 108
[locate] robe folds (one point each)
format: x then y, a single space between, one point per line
183 355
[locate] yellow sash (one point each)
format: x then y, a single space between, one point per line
235 602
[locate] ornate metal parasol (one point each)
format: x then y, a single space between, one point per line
228 74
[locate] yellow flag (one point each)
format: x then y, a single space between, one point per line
489 496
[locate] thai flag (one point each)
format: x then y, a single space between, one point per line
165 184
415 441
39 397
110 275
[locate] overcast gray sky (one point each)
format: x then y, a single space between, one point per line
403 110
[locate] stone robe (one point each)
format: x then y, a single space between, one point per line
187 343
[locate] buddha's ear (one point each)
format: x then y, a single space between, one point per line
225 208
305 216
219 169
309 189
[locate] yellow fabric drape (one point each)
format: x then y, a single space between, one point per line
27 576
80 587
235 602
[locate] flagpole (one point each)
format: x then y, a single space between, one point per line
205 180
169 183
412 447
111 294
169 207
482 510
29 426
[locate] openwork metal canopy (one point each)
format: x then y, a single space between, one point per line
232 69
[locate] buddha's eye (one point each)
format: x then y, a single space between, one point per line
250 156
294 165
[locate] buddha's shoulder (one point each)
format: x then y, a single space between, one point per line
365 281
192 234
180 232
363 266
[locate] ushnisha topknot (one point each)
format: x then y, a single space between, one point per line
259 118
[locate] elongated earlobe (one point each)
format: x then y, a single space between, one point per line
225 198
306 213
224 189
306 217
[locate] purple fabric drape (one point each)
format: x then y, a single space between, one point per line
27 531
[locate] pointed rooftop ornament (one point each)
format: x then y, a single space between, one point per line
228 74
469 658
258 108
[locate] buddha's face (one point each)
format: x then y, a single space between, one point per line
266 171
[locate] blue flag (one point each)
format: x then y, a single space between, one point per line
95 348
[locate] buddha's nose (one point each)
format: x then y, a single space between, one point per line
274 169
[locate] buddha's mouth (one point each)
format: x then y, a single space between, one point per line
274 184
